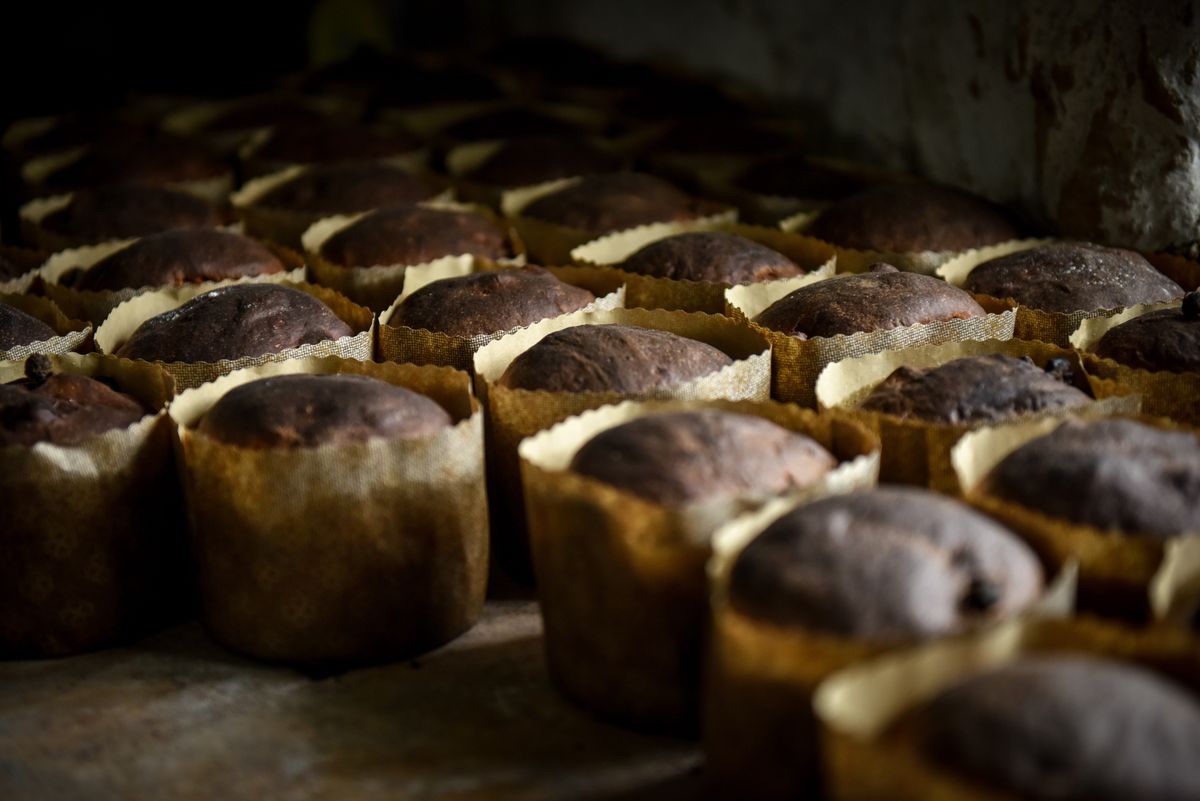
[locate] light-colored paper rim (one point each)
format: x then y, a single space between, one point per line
918 451
72 334
1175 588
214 189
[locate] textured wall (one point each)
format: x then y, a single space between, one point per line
1085 113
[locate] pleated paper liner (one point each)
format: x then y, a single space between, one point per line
550 243
799 362
255 166
761 739
27 259
465 158
95 305
865 759
287 226
622 581
926 262
1115 569
1181 270
378 286
343 553
1164 393
650 292
125 319
37 171
1175 588
400 343
917 451
71 335
93 533
514 414
1033 324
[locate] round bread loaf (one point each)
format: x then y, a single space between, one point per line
530 160
181 256
1117 475
61 408
796 176
907 218
304 411
487 302
612 358
414 235
603 203
264 112
879 299
676 458
347 187
18 328
884 565
325 142
232 322
1073 276
1066 728
975 389
505 123
1161 340
158 161
711 256
123 211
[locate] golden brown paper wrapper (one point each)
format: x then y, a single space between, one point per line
926 262
514 414
26 258
1164 393
339 553
863 761
1115 569
1175 588
1032 324
918 451
37 171
72 335
649 292
287 226
799 362
550 243
761 738
94 305
378 286
400 343
125 319
93 533
622 580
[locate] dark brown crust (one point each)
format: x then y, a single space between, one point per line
322 143
64 409
872 301
1066 728
676 458
183 256
347 188
506 123
612 358
1161 340
487 302
18 328
1073 276
530 160
158 161
1118 475
603 203
304 411
973 389
233 322
711 256
906 218
123 211
265 112
796 176
884 565
414 235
